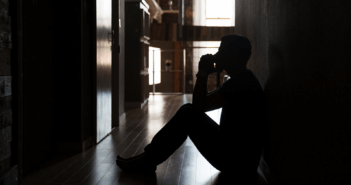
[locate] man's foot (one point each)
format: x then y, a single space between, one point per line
137 164
131 158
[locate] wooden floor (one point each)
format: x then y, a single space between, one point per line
97 165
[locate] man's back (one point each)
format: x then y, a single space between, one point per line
243 121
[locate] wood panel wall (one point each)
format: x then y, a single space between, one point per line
168 32
205 33
301 56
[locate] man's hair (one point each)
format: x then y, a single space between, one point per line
238 43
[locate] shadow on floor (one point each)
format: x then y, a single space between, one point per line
59 158
219 179
225 179
134 178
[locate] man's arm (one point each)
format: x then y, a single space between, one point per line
201 100
200 93
204 101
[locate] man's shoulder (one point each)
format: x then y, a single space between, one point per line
247 84
241 91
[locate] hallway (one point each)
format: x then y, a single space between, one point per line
97 165
75 77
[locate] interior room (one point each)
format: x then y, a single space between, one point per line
85 81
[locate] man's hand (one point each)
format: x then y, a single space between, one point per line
200 89
206 63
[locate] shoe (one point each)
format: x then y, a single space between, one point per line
131 158
137 164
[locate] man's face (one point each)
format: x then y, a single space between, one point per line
226 59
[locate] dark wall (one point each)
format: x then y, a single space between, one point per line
87 67
301 56
67 58
57 79
38 137
73 59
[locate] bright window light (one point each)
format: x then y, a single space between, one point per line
220 12
218 8
217 22
154 53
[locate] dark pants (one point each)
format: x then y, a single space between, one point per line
202 130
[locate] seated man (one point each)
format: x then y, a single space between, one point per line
235 145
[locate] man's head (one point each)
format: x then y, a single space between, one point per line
234 52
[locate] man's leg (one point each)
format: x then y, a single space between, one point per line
201 129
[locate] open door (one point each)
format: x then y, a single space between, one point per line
104 37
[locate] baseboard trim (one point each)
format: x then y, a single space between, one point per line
145 102
75 147
138 105
122 118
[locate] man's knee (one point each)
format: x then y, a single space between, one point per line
187 105
186 108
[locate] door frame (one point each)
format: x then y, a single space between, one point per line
115 25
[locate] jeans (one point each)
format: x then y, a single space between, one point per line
202 130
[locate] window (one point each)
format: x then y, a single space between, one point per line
214 12
219 12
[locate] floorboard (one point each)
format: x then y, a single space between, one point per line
97 165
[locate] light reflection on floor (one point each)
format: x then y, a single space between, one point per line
156 107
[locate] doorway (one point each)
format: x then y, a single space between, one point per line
167 71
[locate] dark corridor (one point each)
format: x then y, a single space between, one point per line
74 87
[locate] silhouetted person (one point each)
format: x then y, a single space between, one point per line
233 147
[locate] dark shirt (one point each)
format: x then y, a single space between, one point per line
243 122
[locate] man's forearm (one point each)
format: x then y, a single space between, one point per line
200 93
